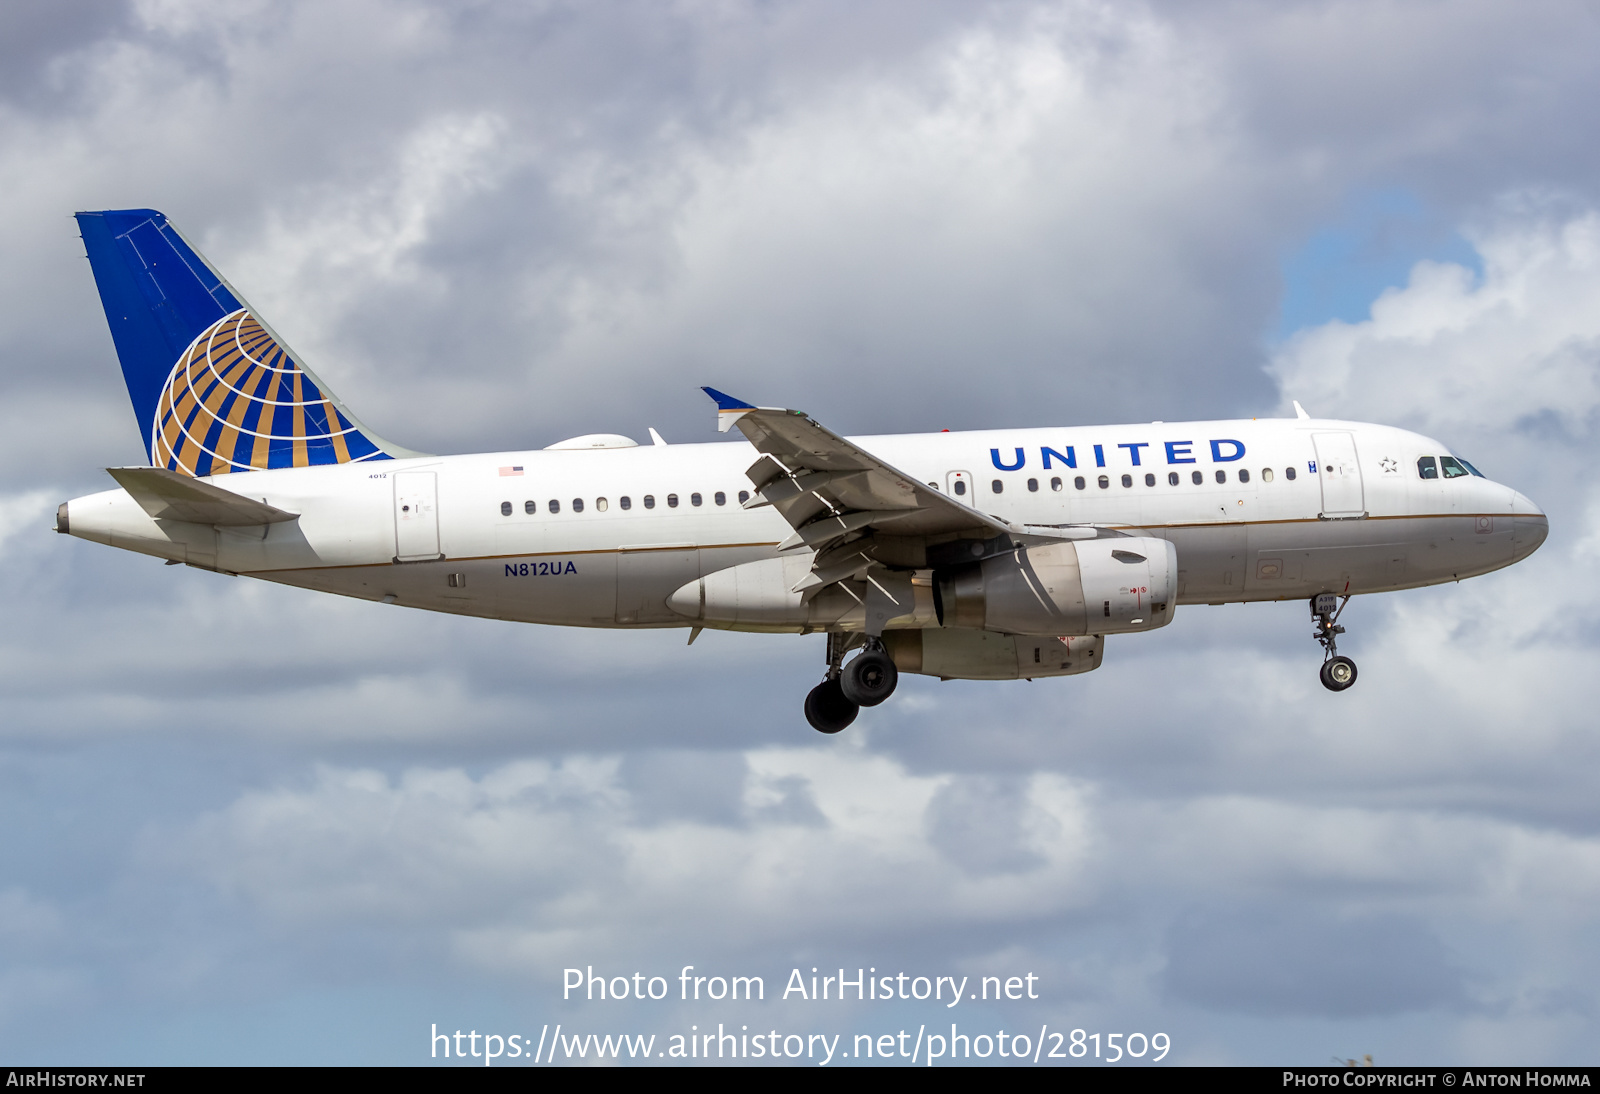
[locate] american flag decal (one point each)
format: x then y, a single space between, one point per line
504 471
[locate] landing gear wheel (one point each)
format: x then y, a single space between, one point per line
870 678
1338 673
827 709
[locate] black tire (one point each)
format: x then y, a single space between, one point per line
870 678
827 709
1338 673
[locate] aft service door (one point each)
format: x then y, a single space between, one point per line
416 516
1342 495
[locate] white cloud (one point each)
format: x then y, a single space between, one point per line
23 513
535 859
1450 349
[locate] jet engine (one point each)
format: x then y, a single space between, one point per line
1095 586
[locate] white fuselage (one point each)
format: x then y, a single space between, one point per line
435 533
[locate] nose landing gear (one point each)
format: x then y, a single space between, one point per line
1338 672
866 681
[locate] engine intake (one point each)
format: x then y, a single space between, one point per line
1095 586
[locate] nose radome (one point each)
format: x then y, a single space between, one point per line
1529 526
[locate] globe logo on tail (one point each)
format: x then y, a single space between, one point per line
236 401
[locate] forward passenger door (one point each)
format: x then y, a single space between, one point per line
1343 497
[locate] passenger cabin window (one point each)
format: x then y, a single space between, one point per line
505 509
625 501
1197 477
1288 473
1078 482
672 501
530 508
997 486
1149 480
720 498
744 496
1033 486
600 504
1127 481
1266 474
695 500
1452 467
1172 478
1104 482
554 506
1055 484
1426 468
577 505
1222 476
649 501
961 487
1244 475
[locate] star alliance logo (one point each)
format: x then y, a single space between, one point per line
1389 465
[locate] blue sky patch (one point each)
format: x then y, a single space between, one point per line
1377 238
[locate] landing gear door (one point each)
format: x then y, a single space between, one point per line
416 516
958 484
1342 495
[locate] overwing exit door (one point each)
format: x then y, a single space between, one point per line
416 516
959 486
1342 495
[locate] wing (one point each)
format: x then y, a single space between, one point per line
846 504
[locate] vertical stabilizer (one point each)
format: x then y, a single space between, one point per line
214 389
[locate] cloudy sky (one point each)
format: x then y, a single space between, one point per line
249 824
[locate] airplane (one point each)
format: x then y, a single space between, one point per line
994 554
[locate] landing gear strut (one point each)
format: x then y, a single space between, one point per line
866 681
1338 672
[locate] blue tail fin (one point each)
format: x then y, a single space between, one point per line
214 389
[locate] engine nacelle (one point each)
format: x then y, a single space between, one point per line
1088 586
760 596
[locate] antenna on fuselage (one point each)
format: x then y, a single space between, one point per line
1300 411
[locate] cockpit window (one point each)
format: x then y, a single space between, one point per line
1452 467
1474 470
1427 468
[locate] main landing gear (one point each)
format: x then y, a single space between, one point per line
866 681
1338 672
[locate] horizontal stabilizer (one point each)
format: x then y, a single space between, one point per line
168 495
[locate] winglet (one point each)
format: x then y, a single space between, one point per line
729 409
1300 411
